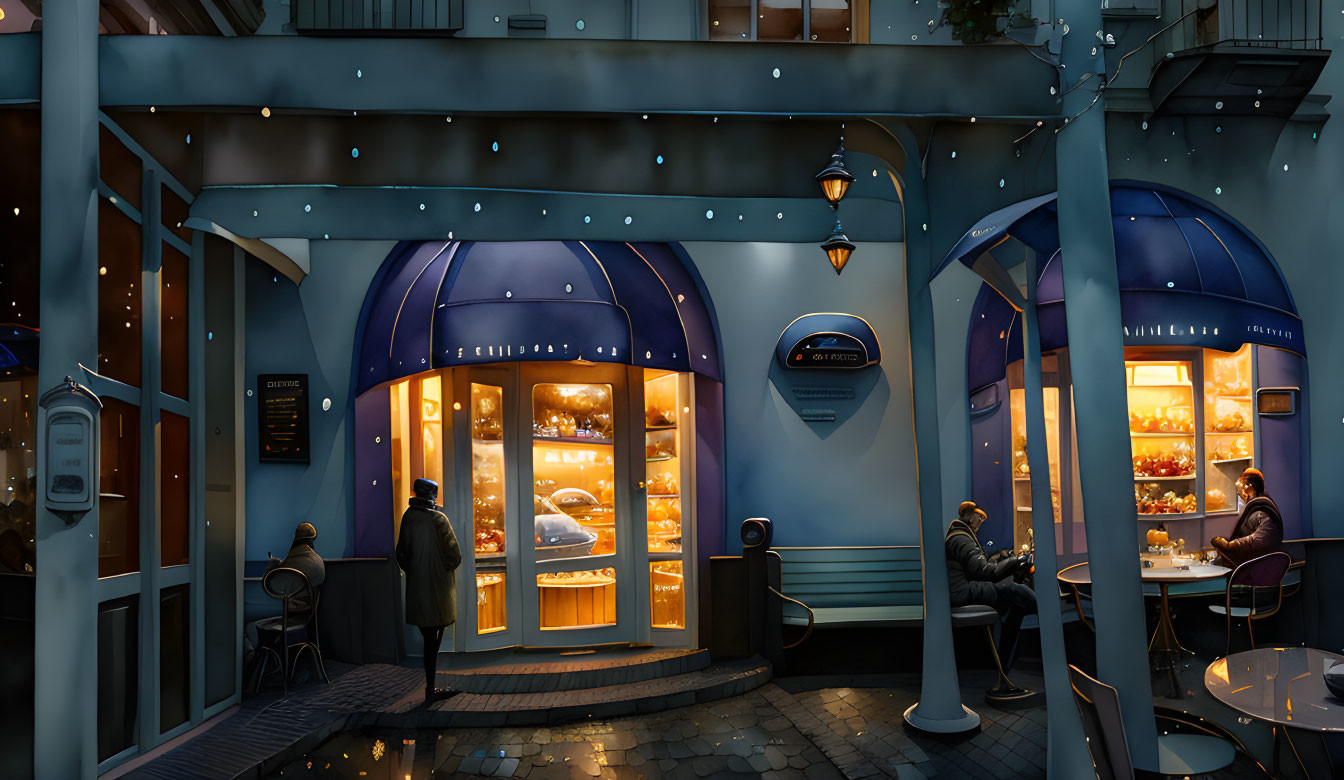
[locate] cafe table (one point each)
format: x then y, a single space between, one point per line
1284 686
1165 571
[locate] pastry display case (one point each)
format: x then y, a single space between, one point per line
1161 397
1021 468
488 497
1229 435
577 599
666 470
573 470
668 594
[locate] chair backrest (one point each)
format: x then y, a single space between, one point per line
284 582
853 576
1099 706
1263 578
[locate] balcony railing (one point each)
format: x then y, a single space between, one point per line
1277 24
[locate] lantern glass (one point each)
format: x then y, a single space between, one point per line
839 255
834 187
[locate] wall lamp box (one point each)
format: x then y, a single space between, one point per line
527 22
828 341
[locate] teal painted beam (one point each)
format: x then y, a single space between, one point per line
1066 748
431 75
395 213
65 728
21 62
1097 358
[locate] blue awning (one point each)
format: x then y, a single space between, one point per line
1189 275
450 303
18 348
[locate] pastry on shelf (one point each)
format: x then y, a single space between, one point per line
1214 499
663 484
1231 423
659 417
1150 500
1174 418
1178 462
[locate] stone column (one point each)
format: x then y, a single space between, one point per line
1096 354
65 729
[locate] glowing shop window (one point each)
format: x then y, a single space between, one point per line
577 599
667 594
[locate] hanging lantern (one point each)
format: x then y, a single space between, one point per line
838 248
835 178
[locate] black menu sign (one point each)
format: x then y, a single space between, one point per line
282 418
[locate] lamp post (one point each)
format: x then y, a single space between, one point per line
835 179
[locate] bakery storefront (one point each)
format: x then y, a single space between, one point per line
551 389
1215 372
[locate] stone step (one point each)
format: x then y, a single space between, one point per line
479 710
571 673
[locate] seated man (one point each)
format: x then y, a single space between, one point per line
974 579
1259 530
303 557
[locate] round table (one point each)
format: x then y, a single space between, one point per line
1163 642
1280 685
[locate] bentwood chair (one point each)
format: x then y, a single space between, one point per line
1254 592
294 630
1178 754
1078 597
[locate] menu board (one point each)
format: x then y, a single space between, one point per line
282 418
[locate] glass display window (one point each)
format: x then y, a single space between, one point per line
1021 467
119 488
667 410
489 497
577 599
1229 425
399 404
667 594
574 470
431 428
1161 397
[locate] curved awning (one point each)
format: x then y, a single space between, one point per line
437 304
18 348
1189 275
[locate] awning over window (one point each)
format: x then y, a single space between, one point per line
450 303
18 348
1189 275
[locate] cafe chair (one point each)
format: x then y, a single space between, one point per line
1078 598
1004 693
1177 754
292 632
1254 592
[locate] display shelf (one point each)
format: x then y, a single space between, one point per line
1230 460
596 582
1164 518
1024 509
664 495
1221 512
1246 398
1178 478
1159 435
572 440
659 458
651 428
487 441
1159 387
1021 479
1228 433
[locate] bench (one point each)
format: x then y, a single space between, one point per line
853 586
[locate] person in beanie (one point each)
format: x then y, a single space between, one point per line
973 578
303 557
1259 530
427 551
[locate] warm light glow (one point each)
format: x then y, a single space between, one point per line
378 749
839 256
265 112
834 188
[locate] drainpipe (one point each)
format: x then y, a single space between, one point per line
65 727
1096 353
1066 751
939 708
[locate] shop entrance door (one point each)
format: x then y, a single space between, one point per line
578 541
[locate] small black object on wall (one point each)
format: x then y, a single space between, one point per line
282 418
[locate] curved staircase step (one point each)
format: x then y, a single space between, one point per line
574 675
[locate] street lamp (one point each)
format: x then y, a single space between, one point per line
838 247
835 178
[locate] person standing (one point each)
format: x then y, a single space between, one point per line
973 578
427 551
1259 529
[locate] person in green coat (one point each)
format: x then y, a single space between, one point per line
427 551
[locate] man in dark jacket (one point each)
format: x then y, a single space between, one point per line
303 557
973 578
1259 530
427 551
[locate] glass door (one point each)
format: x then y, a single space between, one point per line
577 569
489 603
669 447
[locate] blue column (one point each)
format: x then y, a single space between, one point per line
1066 752
65 729
1096 354
939 708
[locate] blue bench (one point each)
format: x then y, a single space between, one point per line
853 586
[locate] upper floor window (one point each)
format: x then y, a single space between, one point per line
784 20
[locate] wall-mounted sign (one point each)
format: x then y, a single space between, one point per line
70 486
828 341
1278 401
282 418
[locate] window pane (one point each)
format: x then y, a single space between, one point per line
18 493
118 674
779 20
667 594
1229 416
1162 435
119 489
173 212
399 403
488 498
175 488
174 658
431 429
830 20
118 167
577 599
729 20
173 343
119 295
573 470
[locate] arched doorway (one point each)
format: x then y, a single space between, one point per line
551 389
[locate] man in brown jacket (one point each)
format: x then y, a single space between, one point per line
1259 530
427 551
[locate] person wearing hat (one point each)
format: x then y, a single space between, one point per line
427 551
973 578
303 557
1259 529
